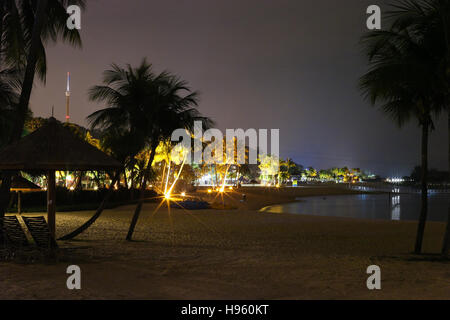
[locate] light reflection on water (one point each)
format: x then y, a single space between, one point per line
395 206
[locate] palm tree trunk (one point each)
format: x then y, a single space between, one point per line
446 242
424 206
27 86
97 214
215 174
125 178
138 209
163 175
97 179
133 178
79 184
2 16
6 178
5 194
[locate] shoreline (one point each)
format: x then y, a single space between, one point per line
260 197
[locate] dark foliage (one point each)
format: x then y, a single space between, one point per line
78 200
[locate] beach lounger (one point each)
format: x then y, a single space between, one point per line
44 240
16 245
13 233
3 250
40 232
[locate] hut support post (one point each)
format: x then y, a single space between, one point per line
19 202
51 197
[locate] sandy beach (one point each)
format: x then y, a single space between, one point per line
237 254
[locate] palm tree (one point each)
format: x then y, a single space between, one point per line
25 27
169 110
125 91
27 84
402 81
16 30
143 109
431 20
9 98
41 21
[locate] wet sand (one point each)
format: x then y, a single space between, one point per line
237 254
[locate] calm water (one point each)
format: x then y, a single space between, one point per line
368 206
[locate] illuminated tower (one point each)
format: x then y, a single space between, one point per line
68 98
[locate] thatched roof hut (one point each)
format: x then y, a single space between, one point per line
20 184
50 148
54 147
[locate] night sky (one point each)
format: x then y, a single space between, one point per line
292 65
